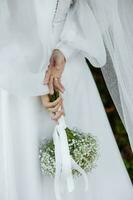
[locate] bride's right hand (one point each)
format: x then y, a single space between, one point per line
53 107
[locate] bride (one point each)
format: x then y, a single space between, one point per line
43 45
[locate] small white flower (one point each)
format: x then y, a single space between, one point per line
84 152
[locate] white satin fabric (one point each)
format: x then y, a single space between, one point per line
28 35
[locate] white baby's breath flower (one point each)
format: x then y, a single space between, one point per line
83 148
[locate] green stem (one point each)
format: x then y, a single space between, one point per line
54 96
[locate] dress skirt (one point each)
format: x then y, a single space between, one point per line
24 122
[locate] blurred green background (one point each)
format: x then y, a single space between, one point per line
116 124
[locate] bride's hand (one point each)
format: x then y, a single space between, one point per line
53 107
54 72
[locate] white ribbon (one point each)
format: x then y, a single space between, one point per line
64 162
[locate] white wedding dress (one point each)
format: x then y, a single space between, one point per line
24 122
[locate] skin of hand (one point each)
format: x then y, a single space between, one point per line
54 72
53 107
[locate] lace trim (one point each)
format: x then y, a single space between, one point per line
61 10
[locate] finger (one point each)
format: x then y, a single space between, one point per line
51 86
58 85
61 85
45 100
56 108
47 77
52 61
62 107
53 104
58 115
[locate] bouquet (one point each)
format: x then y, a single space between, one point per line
83 149
70 153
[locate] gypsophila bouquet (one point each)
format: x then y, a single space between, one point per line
83 149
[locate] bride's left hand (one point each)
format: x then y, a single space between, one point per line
54 72
55 108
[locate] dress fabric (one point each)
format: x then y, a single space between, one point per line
24 122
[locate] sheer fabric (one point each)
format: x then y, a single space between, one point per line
114 21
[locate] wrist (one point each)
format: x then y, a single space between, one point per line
57 52
66 50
